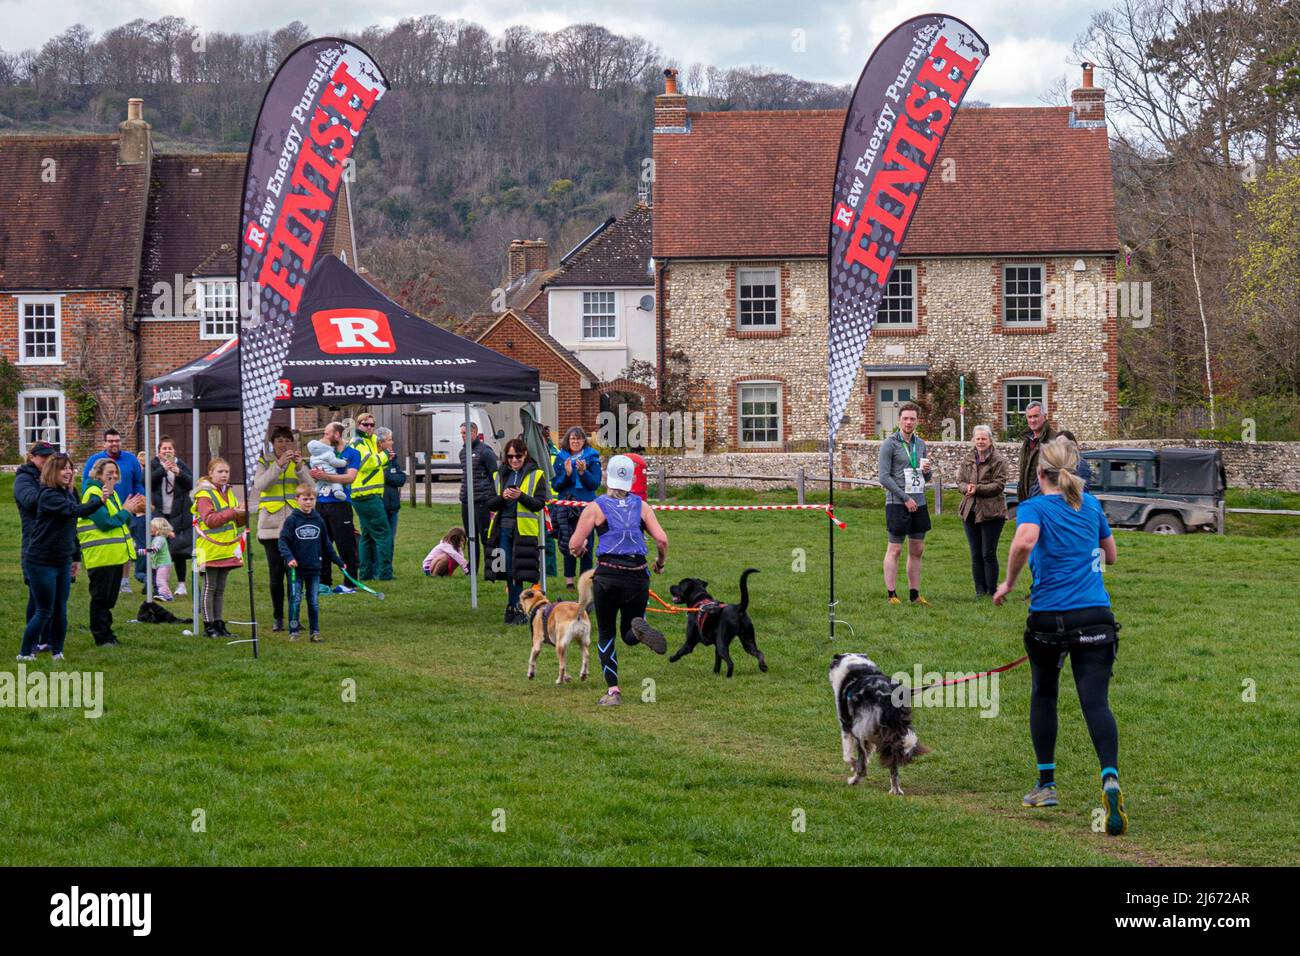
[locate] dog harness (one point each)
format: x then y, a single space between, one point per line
704 610
545 610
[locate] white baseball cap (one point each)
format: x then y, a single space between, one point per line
620 473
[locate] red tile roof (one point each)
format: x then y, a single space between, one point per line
618 255
79 231
757 184
193 219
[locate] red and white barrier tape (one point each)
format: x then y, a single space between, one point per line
823 508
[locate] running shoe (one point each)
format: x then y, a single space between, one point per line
26 657
58 657
126 587
316 638
1043 795
180 591
648 636
894 599
1113 802
294 632
612 699
920 601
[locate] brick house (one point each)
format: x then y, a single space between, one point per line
1017 222
117 265
581 323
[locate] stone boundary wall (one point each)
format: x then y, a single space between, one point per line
1264 465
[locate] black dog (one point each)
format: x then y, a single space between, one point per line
716 623
153 613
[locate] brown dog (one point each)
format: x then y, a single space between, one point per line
558 623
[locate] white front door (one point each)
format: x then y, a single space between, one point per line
892 394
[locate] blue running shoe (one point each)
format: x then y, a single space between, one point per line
1043 795
1113 802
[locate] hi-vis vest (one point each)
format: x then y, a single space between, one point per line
216 544
526 523
370 476
283 491
101 549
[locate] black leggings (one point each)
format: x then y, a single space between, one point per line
1091 664
617 592
275 565
983 540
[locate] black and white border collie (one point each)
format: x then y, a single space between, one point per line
871 717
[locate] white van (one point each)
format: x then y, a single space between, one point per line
445 422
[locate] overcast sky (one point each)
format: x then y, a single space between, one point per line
1030 40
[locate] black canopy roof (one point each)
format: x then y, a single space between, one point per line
353 345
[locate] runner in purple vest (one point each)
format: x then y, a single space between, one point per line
622 580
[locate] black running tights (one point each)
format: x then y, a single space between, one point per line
1092 670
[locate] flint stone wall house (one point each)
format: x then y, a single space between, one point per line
117 265
582 323
1016 225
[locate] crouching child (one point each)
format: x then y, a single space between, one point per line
305 545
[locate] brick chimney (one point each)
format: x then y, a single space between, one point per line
1089 102
135 144
525 256
670 107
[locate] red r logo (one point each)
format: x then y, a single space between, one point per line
843 218
283 389
256 236
349 331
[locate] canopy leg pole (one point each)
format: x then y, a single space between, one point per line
194 551
469 511
148 511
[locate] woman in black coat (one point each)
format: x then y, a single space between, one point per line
51 549
171 482
515 532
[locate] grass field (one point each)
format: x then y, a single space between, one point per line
446 736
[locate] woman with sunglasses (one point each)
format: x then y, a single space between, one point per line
514 552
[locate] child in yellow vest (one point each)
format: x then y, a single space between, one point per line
218 542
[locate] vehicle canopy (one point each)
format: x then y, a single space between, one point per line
1192 471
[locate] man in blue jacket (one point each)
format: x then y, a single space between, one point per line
131 483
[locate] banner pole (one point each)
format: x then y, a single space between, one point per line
830 528
248 551
194 558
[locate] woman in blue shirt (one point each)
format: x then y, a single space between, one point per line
575 477
1065 538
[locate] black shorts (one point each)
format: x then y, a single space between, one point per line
901 523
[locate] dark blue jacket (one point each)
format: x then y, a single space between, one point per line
27 489
305 538
579 486
394 478
53 539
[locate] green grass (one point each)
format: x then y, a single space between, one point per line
445 728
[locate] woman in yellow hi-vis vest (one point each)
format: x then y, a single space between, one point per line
515 532
106 545
218 542
276 482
